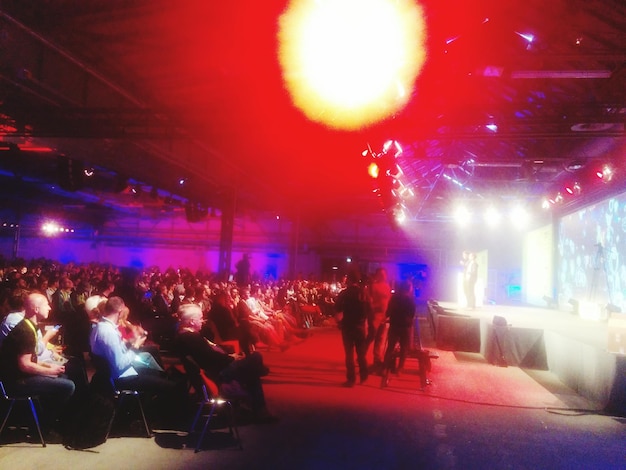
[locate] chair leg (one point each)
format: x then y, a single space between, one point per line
196 417
141 410
33 410
36 418
233 424
111 423
205 427
143 416
6 416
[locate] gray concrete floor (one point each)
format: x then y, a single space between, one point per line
474 415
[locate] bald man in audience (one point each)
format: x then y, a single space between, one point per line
23 374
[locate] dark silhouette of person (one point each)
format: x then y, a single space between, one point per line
400 313
242 275
352 304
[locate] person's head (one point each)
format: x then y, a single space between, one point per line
190 317
16 300
106 287
124 314
36 306
94 305
113 307
66 284
221 298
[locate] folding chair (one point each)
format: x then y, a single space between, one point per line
12 399
103 382
209 403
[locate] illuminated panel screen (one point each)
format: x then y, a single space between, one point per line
592 254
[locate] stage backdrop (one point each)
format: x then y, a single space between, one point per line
538 266
592 257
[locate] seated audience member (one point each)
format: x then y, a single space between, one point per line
251 314
15 315
129 369
20 369
226 371
223 319
94 306
8 323
136 337
46 352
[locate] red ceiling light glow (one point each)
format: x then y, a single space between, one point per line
350 63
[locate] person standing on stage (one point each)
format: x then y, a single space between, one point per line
470 276
352 306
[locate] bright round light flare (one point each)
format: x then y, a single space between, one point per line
350 63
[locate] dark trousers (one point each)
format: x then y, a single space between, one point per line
163 399
53 393
377 334
248 372
354 341
401 336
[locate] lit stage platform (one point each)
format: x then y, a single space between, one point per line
576 350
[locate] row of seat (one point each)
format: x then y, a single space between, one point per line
209 402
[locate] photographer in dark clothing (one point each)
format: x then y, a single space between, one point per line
400 314
352 308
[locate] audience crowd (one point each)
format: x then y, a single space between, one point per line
123 320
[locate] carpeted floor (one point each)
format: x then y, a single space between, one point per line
474 415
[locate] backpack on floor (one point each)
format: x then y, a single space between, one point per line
90 422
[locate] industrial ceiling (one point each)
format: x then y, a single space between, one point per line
515 101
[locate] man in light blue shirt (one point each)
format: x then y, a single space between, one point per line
128 369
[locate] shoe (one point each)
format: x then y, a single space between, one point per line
363 381
348 384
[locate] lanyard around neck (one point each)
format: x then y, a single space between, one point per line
32 327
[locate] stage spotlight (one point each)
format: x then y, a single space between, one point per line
462 215
605 174
393 148
519 217
399 215
373 170
492 217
